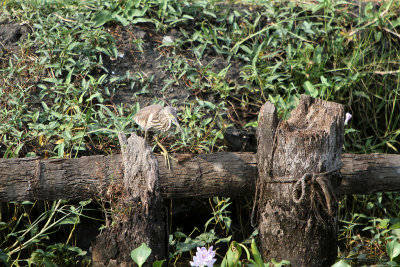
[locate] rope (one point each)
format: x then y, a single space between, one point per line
308 184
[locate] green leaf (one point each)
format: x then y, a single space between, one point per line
256 254
206 121
233 254
209 14
69 220
180 234
281 263
131 13
396 232
121 19
4 258
251 124
224 240
393 249
361 94
310 89
48 263
188 245
77 250
141 20
224 262
246 49
158 263
140 254
341 263
102 18
206 104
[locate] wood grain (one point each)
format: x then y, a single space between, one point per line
218 174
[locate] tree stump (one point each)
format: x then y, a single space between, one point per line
298 162
140 214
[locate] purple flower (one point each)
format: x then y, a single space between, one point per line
204 257
348 117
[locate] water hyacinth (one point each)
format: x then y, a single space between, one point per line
203 257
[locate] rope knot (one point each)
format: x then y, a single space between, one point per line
320 190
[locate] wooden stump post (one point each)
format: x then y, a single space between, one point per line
298 162
140 215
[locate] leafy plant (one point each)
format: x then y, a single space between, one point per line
21 235
234 253
57 90
140 254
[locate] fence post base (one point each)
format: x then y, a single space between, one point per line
298 162
139 215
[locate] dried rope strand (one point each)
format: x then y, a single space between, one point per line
308 185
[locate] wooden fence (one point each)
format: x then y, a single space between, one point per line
295 176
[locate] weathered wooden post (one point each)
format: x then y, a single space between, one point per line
140 217
298 162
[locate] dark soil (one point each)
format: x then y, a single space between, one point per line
11 33
151 63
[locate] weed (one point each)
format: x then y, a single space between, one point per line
57 91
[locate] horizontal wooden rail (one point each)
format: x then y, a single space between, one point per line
218 174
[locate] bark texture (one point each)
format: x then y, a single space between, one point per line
140 214
219 174
40 179
369 174
297 222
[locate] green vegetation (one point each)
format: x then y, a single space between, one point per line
58 92
26 232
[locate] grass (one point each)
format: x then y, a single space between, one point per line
57 88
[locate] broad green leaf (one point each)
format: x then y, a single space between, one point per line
77 250
121 19
158 263
206 121
102 18
310 89
224 240
48 263
396 232
69 220
140 254
131 13
180 234
233 254
256 254
224 262
281 263
393 249
246 49
341 263
189 245
4 258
